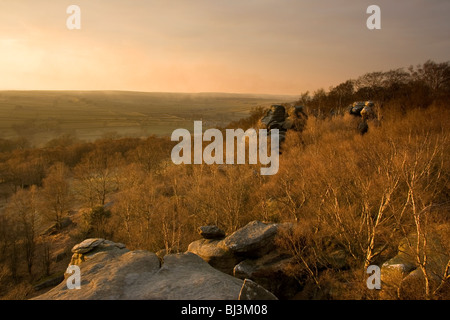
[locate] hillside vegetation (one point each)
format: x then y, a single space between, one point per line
357 194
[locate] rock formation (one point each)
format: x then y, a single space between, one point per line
251 253
284 119
365 110
111 271
362 109
252 241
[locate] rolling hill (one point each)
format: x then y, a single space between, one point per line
43 115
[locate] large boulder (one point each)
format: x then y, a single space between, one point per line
111 272
284 118
251 253
253 240
356 108
392 273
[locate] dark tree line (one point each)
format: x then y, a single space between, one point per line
398 90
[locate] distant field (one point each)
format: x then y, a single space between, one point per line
43 115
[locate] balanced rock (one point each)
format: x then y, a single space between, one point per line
89 247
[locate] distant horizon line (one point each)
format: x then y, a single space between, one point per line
150 92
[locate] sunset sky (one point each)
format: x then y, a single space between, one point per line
240 46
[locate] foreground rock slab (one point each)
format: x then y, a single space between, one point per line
109 271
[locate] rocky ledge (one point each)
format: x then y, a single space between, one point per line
110 271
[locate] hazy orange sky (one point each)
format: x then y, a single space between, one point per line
241 46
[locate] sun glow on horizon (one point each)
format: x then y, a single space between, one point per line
208 46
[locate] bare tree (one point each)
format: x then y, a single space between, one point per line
56 193
95 177
422 172
22 210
